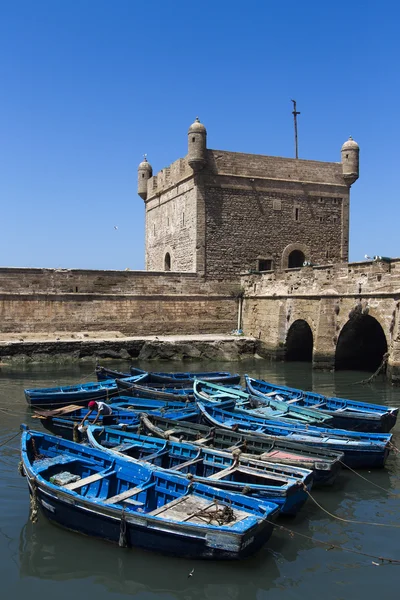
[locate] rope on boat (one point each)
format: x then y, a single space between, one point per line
393 447
75 433
33 506
122 542
331 546
348 520
223 514
21 469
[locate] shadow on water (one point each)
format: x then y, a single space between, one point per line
46 552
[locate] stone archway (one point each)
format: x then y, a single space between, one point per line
361 344
296 259
299 342
295 251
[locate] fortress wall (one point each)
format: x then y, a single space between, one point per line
134 303
171 220
243 225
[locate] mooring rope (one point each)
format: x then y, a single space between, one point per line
9 439
369 481
331 546
347 520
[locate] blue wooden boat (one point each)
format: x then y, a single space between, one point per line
80 393
103 373
179 379
187 378
347 414
84 490
268 408
325 464
129 387
66 421
284 485
360 449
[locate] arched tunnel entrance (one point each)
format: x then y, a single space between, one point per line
299 342
361 345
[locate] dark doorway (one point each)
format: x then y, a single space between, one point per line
361 345
296 259
167 262
299 342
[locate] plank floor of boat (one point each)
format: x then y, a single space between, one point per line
186 508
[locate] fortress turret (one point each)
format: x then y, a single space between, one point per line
197 145
144 173
350 161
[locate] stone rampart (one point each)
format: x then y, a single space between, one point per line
131 302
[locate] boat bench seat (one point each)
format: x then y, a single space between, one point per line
157 454
188 463
86 480
223 473
123 496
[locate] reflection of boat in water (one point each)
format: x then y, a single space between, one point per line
47 552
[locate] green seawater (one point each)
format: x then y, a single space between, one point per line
44 561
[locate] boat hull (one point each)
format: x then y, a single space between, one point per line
83 520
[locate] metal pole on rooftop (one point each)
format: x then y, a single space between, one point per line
295 113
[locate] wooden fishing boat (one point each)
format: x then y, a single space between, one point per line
84 490
346 414
187 378
80 393
66 421
325 464
365 450
169 379
268 408
129 387
71 394
103 373
284 485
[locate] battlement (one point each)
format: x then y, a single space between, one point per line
168 177
222 162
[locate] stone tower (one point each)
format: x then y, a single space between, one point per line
197 145
222 213
144 173
350 161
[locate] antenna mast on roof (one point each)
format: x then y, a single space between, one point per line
295 113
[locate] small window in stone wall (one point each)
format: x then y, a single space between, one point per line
335 200
321 219
321 200
297 213
334 219
265 264
154 230
277 204
193 140
167 221
183 219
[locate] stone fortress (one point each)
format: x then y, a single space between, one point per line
234 241
221 213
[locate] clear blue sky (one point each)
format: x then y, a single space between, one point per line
88 86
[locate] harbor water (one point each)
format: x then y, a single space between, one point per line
44 561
